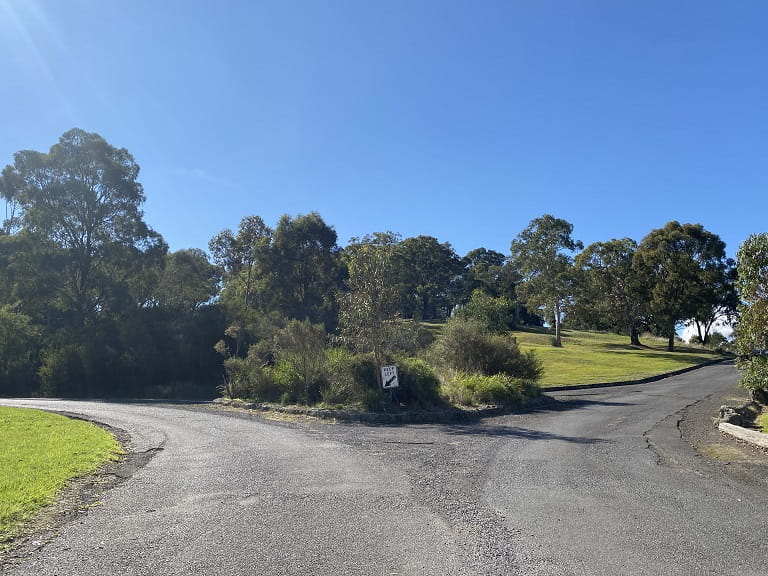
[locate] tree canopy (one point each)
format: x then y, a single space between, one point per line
542 254
93 303
610 291
685 264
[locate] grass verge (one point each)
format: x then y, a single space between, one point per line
40 453
598 357
762 422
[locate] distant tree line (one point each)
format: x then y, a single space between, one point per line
93 303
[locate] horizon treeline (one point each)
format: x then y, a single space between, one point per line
94 304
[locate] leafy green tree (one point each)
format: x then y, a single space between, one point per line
369 309
304 270
718 299
20 345
542 256
82 201
188 280
428 269
752 328
481 269
682 262
610 291
243 257
496 313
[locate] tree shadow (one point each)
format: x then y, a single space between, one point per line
627 347
519 432
564 404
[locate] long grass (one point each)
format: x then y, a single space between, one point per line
39 453
598 357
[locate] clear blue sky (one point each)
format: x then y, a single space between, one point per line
460 120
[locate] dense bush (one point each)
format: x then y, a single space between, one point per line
478 390
466 345
301 367
419 384
356 375
349 377
497 314
246 378
20 343
62 372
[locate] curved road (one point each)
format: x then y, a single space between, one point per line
600 484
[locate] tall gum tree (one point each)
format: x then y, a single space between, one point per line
610 290
682 262
82 200
542 256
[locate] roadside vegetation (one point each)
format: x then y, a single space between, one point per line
94 304
752 333
762 422
40 453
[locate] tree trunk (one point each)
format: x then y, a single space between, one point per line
634 336
558 340
671 342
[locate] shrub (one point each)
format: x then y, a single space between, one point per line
496 314
478 390
288 381
246 378
466 345
62 371
351 379
419 384
301 345
20 343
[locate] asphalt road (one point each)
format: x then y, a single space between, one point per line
603 483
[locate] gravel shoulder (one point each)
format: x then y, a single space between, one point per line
735 459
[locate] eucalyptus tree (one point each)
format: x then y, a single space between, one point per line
610 291
188 280
369 312
718 299
481 269
684 264
303 271
242 258
81 202
542 257
428 269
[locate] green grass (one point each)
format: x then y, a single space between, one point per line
40 453
762 422
598 357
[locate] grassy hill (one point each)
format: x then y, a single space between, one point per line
598 357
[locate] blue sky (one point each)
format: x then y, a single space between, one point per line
460 120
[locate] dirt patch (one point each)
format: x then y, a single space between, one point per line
736 459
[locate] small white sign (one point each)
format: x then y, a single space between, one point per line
389 377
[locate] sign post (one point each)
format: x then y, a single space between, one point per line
389 377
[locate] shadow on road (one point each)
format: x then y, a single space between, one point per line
565 404
518 432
